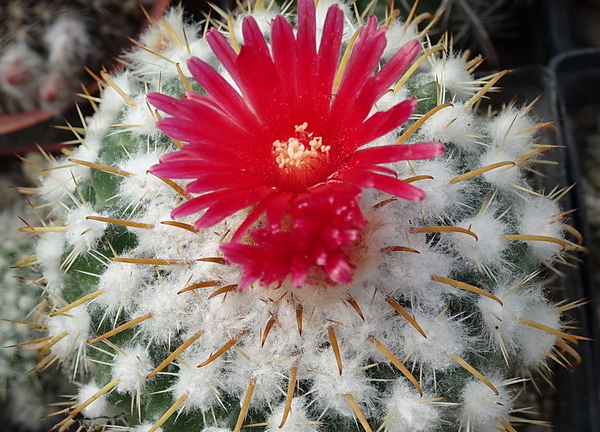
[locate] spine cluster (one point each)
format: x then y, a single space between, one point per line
445 317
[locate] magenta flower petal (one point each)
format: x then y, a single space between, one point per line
280 145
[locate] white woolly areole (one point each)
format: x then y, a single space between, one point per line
350 25
297 419
451 124
73 329
503 177
200 384
131 367
444 336
120 283
145 427
83 233
541 217
141 118
511 131
440 195
49 252
263 18
331 388
534 342
488 249
99 407
451 73
407 411
482 407
397 35
502 321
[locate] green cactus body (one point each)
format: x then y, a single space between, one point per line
443 308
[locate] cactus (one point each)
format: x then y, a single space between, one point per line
24 390
317 291
45 44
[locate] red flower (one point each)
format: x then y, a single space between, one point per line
287 142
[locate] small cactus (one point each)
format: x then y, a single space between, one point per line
45 44
25 390
317 291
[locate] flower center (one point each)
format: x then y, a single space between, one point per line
300 149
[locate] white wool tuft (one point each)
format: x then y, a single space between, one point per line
83 233
145 427
99 407
444 336
452 125
482 408
201 384
398 35
331 388
297 420
511 131
73 329
488 249
451 73
408 411
131 367
541 216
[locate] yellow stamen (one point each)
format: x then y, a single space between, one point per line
122 327
176 353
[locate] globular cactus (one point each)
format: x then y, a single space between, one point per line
25 391
317 291
44 46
